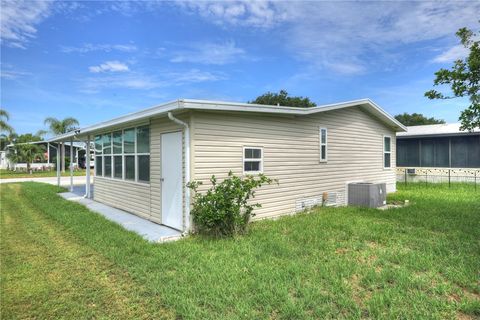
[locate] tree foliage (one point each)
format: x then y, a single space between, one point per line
26 153
463 79
4 126
61 126
416 119
225 209
282 99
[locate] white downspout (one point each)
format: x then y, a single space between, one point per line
87 183
71 164
58 164
187 168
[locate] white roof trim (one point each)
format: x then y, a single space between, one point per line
191 104
444 129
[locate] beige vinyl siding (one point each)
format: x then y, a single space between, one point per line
142 199
129 196
291 146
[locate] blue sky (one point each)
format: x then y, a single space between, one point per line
97 60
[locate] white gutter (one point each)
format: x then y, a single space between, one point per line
224 106
187 167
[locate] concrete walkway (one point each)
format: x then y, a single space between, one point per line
150 231
64 181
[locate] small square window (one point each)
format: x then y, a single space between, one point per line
252 160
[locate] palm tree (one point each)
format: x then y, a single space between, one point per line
6 139
7 134
4 126
26 152
60 127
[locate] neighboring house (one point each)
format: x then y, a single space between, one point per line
3 160
49 160
144 159
438 146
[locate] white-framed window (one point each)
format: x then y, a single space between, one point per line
323 145
387 152
252 160
124 154
323 134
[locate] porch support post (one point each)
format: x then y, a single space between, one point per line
48 153
58 164
76 159
71 164
87 161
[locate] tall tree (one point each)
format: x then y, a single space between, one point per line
26 153
4 117
7 133
416 119
60 127
463 79
282 99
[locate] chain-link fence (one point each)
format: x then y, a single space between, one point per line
439 175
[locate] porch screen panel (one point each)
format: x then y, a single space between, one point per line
473 156
427 153
459 152
407 153
442 153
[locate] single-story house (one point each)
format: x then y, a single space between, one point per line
438 146
143 160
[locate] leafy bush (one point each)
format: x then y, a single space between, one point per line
224 210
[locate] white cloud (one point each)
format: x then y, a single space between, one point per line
109 66
343 37
8 72
89 47
261 14
142 81
452 54
210 53
18 20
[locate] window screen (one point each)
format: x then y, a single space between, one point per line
387 148
323 144
117 167
107 170
252 160
130 168
117 142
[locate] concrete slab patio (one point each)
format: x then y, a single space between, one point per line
150 231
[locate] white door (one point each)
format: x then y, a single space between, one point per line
172 213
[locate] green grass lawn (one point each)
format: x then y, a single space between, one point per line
8 174
58 260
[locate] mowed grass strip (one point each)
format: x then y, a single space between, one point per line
421 261
48 274
9 174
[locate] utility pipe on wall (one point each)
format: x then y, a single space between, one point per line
87 161
71 164
187 167
58 165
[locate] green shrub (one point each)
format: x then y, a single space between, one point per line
224 210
